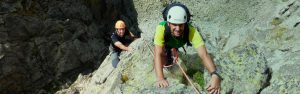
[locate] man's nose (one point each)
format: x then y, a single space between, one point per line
177 27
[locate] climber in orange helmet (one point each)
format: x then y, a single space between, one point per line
119 42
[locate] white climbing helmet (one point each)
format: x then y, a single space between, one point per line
177 15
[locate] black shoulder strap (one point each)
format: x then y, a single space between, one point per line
167 33
186 34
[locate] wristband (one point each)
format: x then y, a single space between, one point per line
216 73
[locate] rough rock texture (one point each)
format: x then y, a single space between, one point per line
254 43
135 74
45 44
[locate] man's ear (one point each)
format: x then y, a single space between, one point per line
168 24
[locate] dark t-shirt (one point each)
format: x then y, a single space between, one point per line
123 40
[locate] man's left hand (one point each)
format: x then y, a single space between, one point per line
129 49
214 85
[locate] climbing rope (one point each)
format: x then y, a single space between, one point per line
176 62
185 75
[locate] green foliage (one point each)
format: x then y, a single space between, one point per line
289 37
199 78
124 78
164 3
285 0
276 21
64 92
278 32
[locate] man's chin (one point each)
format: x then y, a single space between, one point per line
177 35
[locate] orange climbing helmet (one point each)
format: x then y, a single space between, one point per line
120 24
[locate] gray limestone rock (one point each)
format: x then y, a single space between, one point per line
46 44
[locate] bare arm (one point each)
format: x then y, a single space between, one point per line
121 46
132 36
214 84
207 61
158 64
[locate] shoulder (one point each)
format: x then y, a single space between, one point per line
191 27
159 34
114 36
127 32
161 26
195 37
160 29
163 23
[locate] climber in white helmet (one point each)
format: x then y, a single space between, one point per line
174 33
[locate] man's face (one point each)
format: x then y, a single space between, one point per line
120 32
176 29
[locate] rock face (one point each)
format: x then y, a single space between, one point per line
45 44
254 43
134 74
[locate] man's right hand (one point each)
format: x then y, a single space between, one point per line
129 49
214 85
158 65
162 83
